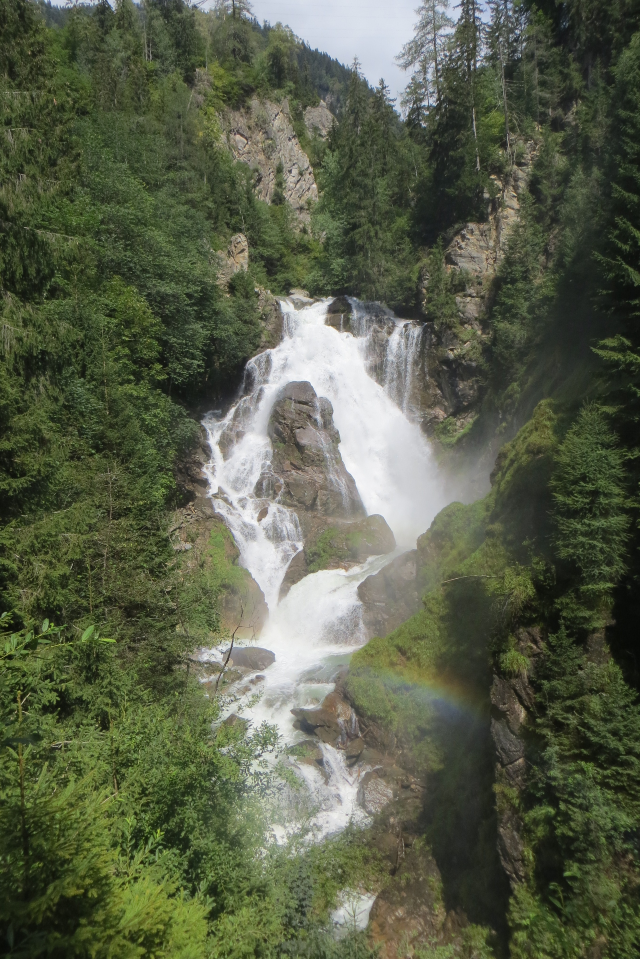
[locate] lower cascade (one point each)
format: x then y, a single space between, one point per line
318 465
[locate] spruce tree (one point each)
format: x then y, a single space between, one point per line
425 52
591 504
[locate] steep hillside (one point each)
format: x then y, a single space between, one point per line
166 174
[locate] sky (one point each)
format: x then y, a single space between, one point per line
374 31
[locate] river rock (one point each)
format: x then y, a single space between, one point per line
391 596
339 314
309 753
333 722
340 546
236 721
306 455
354 750
271 319
374 793
300 298
252 658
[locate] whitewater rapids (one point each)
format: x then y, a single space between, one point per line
318 624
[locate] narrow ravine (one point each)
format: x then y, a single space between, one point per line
314 628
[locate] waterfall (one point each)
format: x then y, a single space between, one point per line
400 363
391 348
318 624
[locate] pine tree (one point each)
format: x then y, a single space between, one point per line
622 261
591 504
466 52
425 52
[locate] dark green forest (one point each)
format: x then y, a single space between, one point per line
128 828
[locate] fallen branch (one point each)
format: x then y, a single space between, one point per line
229 651
477 576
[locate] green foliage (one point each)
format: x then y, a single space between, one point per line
523 291
582 812
363 212
591 504
439 302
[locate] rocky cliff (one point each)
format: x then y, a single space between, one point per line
263 137
455 381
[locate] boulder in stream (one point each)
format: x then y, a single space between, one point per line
340 546
334 722
306 454
374 793
251 657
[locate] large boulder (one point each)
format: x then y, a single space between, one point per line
374 793
333 722
391 596
252 658
339 314
306 454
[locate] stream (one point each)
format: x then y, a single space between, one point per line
314 630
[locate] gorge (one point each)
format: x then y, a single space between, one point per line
319 541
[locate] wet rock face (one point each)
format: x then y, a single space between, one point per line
262 137
391 596
306 455
271 318
512 699
339 314
334 722
242 604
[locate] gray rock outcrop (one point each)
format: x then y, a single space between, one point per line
454 386
319 120
262 137
512 699
235 260
308 475
391 596
306 457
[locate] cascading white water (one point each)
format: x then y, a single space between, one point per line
400 363
318 624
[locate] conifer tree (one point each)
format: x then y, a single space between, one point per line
591 504
622 261
425 52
